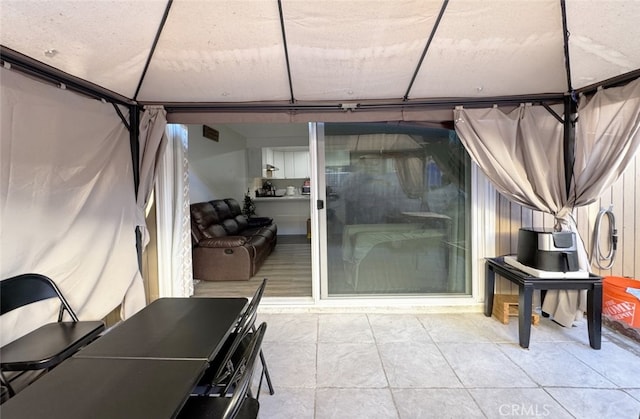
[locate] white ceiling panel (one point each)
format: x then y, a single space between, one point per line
495 48
219 51
226 52
351 50
604 39
104 42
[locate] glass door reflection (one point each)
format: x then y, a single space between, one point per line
397 210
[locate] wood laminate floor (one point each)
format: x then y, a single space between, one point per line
288 269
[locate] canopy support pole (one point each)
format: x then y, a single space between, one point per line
134 133
153 48
570 119
286 52
426 48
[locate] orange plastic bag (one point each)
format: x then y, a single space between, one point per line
617 303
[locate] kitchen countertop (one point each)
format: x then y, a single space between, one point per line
282 198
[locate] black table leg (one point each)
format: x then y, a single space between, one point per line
525 300
490 279
594 316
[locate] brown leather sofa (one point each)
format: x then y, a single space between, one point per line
227 245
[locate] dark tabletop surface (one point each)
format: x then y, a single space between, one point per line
108 388
171 328
552 283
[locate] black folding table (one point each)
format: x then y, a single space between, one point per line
171 328
108 388
145 367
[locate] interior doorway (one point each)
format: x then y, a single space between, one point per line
268 164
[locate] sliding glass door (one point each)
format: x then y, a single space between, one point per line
396 210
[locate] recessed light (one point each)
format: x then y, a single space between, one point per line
51 53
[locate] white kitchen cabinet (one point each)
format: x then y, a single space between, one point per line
288 165
300 164
267 158
273 158
292 163
279 161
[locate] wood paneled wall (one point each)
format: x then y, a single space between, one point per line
624 196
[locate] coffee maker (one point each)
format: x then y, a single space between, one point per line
268 189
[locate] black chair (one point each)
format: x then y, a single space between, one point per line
252 309
224 364
48 345
234 401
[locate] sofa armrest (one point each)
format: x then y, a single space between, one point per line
259 221
227 241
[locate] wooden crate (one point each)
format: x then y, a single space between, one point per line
506 305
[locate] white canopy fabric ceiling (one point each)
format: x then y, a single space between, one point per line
344 53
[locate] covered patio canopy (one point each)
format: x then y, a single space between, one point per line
275 61
298 56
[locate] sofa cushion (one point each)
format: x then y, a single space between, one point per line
222 209
259 221
243 224
265 232
231 226
213 231
234 206
203 215
252 222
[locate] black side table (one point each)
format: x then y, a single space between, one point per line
527 283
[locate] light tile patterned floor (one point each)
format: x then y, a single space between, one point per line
348 366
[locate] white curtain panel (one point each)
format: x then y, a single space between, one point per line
607 139
152 141
181 267
67 200
410 173
522 154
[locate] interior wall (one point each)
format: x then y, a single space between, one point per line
217 169
624 195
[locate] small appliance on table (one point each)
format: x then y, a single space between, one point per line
545 253
306 187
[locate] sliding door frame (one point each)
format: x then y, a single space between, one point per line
482 237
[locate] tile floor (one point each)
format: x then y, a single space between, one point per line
348 366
